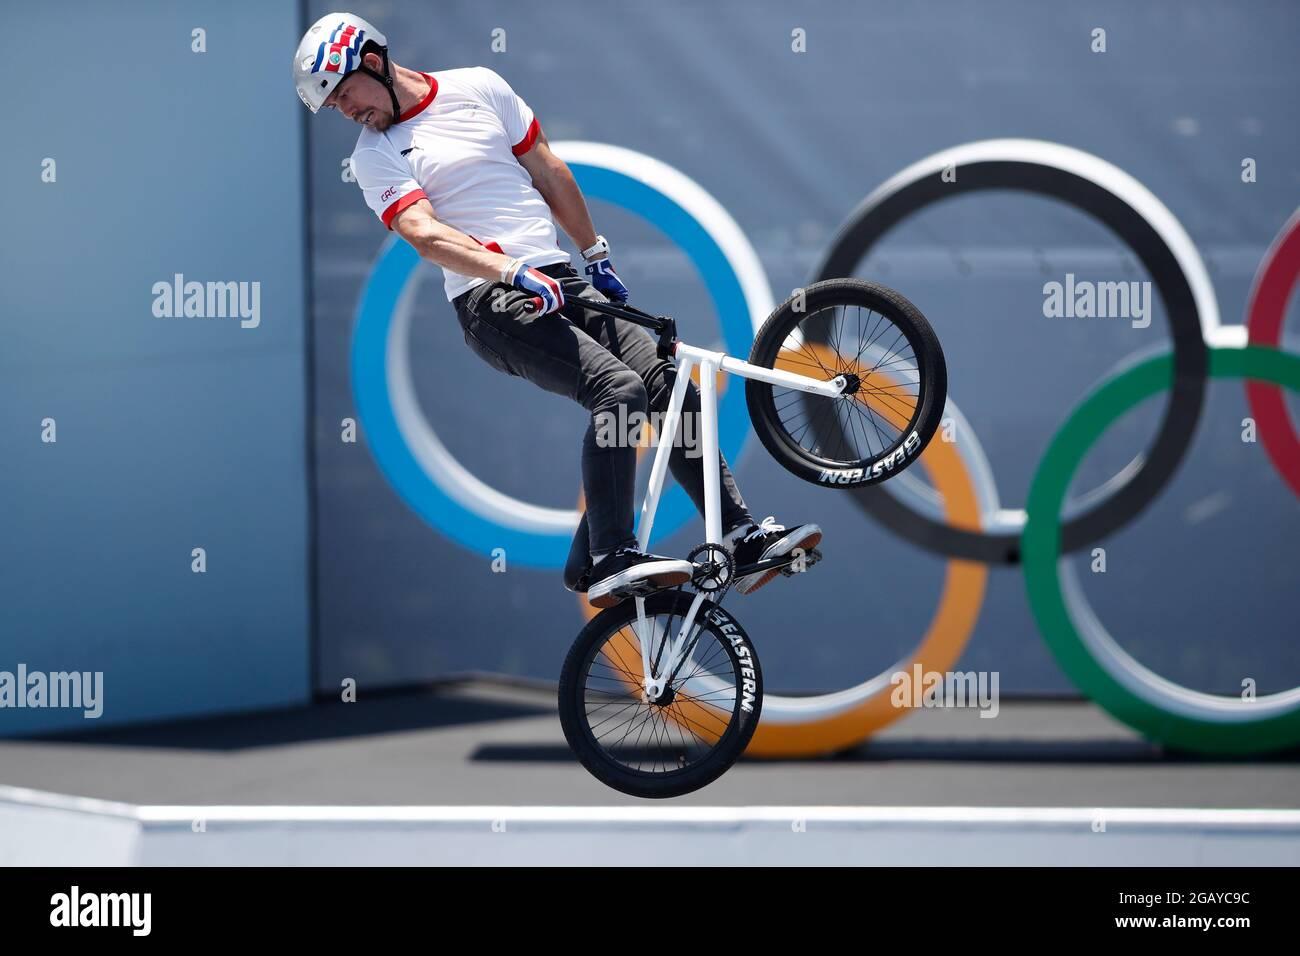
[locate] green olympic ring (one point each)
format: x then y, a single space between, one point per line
1160 709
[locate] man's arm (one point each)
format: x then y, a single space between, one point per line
444 246
554 180
451 248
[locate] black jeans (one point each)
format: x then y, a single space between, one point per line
611 368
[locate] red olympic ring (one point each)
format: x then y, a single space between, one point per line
1265 312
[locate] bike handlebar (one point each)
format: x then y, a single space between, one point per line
665 325
620 311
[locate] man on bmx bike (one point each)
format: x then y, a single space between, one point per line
457 164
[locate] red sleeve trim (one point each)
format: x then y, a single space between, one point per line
525 144
410 199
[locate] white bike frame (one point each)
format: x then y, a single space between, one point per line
710 363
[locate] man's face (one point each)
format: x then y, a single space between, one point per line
363 99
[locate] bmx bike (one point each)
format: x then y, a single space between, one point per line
845 386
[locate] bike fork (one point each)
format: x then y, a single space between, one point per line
654 686
680 654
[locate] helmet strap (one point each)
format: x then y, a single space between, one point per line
385 78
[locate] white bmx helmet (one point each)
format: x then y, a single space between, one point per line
331 50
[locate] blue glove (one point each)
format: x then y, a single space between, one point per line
546 289
605 280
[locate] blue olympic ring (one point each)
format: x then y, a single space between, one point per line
388 282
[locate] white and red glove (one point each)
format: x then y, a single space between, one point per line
549 295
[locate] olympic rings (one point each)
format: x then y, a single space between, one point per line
1266 309
794 726
409 453
1158 240
961 517
1086 652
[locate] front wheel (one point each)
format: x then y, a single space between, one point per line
691 733
897 383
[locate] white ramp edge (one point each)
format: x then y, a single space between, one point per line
48 829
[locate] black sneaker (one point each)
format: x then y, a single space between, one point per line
578 578
630 571
752 543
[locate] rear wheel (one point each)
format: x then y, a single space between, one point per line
895 370
688 736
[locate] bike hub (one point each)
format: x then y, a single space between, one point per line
665 698
851 383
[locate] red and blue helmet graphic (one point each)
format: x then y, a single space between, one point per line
341 52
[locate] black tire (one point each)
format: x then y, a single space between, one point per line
722 651
836 459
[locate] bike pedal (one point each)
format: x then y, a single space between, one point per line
809 559
641 588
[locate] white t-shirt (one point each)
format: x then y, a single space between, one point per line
459 149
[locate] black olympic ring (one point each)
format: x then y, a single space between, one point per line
884 209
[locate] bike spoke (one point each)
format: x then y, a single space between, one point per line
660 737
855 428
